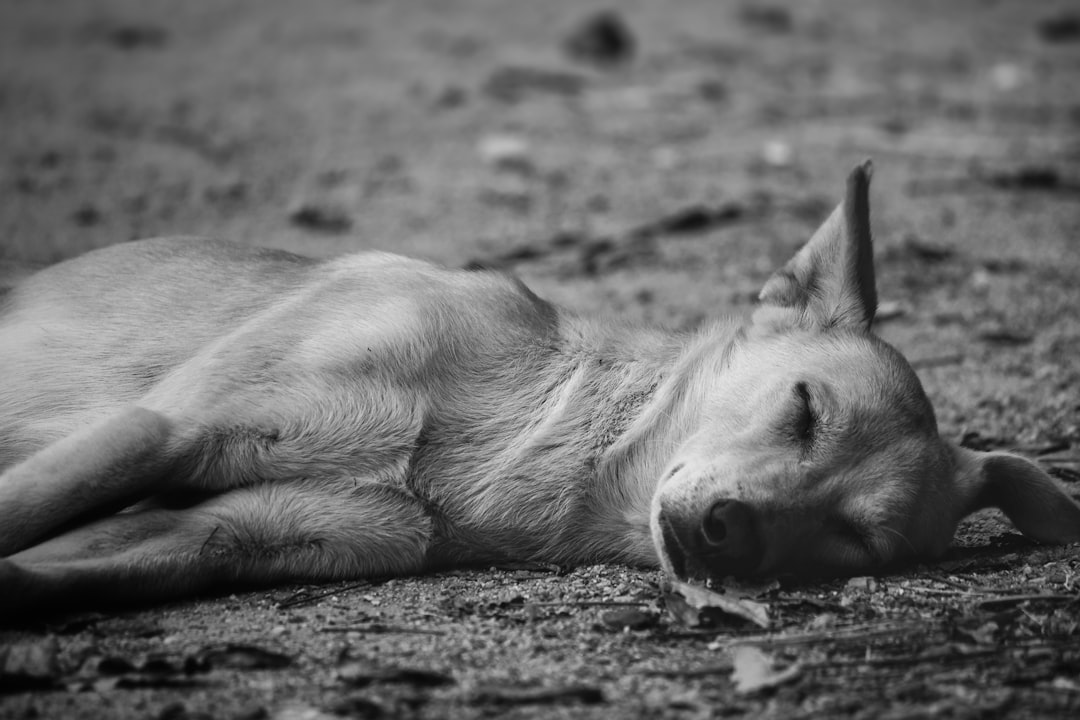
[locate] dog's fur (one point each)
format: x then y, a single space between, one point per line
184 415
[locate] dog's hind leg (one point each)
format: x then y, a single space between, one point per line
310 429
306 530
96 470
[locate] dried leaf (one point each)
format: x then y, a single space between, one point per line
889 310
696 605
824 621
327 218
1027 178
983 634
753 671
1005 336
237 657
1061 28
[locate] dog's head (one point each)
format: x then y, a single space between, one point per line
817 451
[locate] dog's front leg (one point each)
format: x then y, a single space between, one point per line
307 530
96 470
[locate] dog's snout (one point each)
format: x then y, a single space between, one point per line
725 540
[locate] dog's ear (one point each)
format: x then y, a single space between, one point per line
830 281
1032 499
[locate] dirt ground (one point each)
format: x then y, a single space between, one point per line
659 174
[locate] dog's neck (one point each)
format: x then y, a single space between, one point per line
649 409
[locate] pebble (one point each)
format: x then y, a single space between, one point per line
777 153
504 151
603 38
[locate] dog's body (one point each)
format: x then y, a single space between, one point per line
182 415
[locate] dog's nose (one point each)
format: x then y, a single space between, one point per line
725 540
730 533
722 514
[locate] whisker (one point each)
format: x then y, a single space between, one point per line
900 535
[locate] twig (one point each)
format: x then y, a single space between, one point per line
943 591
932 656
969 590
304 598
1017 599
1062 458
709 671
1050 448
856 632
973 590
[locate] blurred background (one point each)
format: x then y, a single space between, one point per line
652 159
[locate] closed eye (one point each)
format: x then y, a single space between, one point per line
859 540
805 420
843 545
850 532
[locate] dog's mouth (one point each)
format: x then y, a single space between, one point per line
674 552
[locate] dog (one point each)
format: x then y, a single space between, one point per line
181 416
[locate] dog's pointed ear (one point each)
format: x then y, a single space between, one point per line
1033 500
830 281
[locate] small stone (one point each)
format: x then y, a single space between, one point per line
980 279
864 584
603 39
629 618
777 154
507 152
1006 76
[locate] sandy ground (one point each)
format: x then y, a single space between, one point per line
466 132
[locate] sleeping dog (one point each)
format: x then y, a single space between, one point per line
180 416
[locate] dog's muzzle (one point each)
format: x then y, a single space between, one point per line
723 541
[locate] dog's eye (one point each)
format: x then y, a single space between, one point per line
851 533
848 545
805 421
